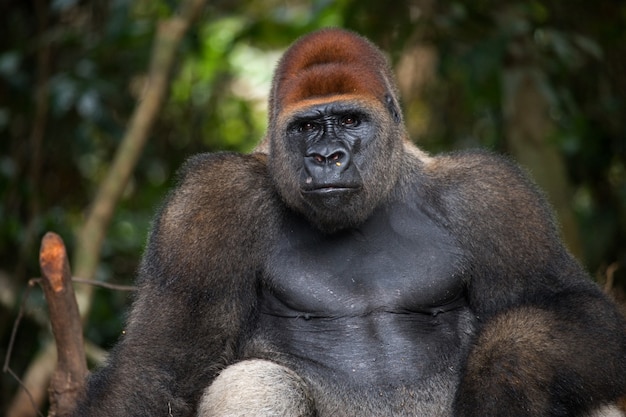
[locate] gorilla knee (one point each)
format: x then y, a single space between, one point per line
607 411
257 388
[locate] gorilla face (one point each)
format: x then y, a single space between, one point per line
334 160
329 138
335 131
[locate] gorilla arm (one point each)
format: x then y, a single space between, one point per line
549 343
199 266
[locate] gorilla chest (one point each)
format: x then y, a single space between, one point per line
398 261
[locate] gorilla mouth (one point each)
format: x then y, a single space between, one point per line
328 190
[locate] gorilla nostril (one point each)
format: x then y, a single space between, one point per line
319 158
337 156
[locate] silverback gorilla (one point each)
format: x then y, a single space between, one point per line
340 271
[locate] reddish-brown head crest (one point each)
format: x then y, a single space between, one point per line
330 62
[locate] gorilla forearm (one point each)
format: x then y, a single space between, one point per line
186 321
168 351
133 387
532 361
551 341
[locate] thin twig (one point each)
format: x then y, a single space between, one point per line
117 287
16 323
26 391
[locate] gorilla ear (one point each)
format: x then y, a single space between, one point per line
393 108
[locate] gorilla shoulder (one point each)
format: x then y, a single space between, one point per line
222 204
222 184
480 183
493 204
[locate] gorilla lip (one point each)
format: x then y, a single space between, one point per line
325 190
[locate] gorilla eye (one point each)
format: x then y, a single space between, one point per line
350 120
307 127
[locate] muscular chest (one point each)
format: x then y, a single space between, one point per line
398 261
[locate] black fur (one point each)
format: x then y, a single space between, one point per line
397 284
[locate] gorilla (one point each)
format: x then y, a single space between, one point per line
338 270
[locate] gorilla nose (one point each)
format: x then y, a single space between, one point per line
334 158
328 157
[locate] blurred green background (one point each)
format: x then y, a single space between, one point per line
541 81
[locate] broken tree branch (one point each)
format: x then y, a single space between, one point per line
69 377
91 237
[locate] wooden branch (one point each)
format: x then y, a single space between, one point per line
69 377
91 237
